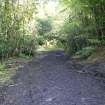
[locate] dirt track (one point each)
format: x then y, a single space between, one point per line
51 80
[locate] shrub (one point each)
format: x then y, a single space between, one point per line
96 42
85 52
29 45
40 40
76 43
44 26
20 44
2 67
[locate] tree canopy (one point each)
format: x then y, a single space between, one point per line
76 24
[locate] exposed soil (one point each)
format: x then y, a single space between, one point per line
53 79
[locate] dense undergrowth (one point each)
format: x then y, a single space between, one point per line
15 37
84 26
80 33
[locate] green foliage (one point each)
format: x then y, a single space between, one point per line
14 19
21 44
95 42
85 52
28 46
40 40
84 25
2 67
44 26
60 44
76 43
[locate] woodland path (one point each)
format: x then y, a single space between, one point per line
51 80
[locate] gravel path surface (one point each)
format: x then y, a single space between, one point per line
51 80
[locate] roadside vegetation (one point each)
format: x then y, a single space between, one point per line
84 27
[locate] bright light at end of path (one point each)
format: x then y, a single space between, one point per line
51 7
